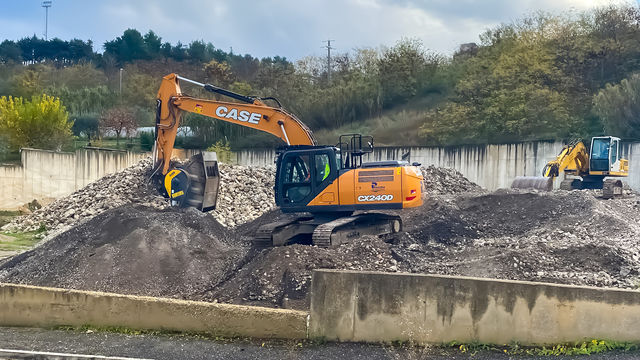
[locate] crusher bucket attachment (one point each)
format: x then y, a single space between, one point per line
540 183
195 183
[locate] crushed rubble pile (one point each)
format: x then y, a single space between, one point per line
128 186
133 250
560 237
439 180
245 193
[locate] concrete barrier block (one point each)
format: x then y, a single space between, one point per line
382 307
23 305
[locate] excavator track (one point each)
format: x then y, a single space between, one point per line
344 230
611 188
322 233
325 233
264 236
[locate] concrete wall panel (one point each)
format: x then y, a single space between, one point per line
47 174
381 307
24 305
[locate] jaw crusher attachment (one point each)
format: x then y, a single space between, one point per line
540 183
195 183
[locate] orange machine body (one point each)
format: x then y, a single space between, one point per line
309 178
360 189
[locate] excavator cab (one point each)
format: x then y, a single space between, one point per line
605 154
302 173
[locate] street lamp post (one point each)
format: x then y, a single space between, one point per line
46 5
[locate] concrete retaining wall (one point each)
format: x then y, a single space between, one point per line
374 307
490 166
47 175
22 305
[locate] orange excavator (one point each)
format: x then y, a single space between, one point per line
329 188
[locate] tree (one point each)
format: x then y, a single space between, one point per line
218 73
10 52
86 126
128 47
197 51
619 107
152 43
400 70
41 123
119 121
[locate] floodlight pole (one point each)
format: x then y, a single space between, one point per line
46 5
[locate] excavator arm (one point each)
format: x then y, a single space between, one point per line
253 113
196 182
573 159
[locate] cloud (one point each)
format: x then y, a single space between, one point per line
291 28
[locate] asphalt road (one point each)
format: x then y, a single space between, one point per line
186 347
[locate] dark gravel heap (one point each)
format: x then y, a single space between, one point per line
133 250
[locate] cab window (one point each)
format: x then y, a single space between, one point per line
297 178
614 151
600 149
323 169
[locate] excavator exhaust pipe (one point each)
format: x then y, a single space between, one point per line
540 183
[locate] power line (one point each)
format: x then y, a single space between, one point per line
46 5
328 47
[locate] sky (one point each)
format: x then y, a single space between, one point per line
290 28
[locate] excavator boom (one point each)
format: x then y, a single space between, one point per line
253 113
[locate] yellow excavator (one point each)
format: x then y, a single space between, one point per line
597 168
329 187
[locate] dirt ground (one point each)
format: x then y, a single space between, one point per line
562 237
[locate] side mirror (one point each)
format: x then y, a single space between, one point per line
416 164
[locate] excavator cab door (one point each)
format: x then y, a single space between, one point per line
602 149
302 175
614 155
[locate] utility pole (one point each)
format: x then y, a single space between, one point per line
46 5
328 47
121 84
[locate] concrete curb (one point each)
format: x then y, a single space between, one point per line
24 305
383 307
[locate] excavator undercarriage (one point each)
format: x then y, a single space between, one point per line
326 230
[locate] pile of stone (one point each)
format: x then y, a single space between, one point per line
130 185
439 180
245 193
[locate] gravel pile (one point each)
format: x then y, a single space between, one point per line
440 180
246 192
124 187
281 276
560 237
134 250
